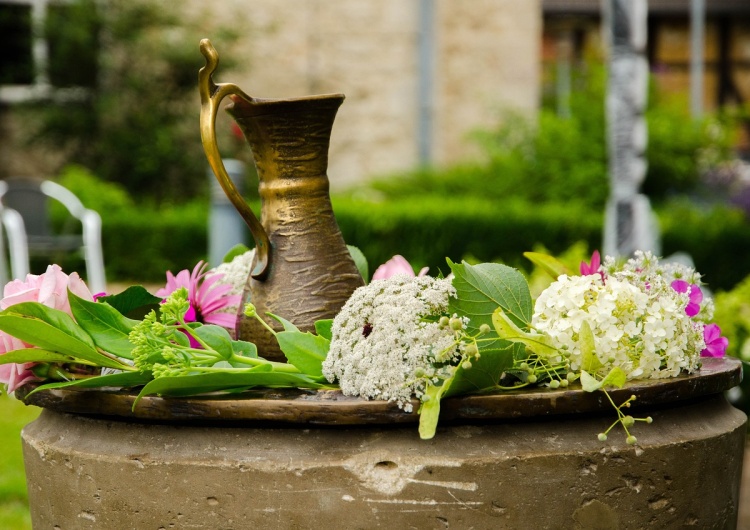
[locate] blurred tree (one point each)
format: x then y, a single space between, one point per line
136 122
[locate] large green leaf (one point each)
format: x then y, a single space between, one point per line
217 338
106 325
190 385
35 355
304 350
480 290
134 302
52 330
119 380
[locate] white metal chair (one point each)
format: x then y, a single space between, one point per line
25 220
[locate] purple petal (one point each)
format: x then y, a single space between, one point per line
681 286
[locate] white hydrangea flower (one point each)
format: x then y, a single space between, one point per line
386 341
637 319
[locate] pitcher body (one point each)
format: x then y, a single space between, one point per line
302 271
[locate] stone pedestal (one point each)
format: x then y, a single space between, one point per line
89 473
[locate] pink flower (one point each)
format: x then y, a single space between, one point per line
206 298
716 345
695 296
50 289
593 268
396 265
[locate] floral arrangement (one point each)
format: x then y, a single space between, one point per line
406 338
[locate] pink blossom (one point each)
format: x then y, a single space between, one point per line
50 289
716 345
206 298
593 268
695 296
396 265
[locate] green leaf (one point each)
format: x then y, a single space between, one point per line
616 377
429 411
107 327
238 250
304 350
134 302
589 361
480 289
191 385
288 326
216 338
547 263
588 382
360 261
507 329
120 380
35 355
245 349
52 330
323 328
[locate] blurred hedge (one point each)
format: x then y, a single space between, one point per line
141 244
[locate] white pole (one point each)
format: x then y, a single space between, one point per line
697 37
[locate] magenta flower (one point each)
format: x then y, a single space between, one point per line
716 345
207 299
593 268
396 265
50 289
695 296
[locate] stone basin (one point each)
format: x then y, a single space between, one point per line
297 459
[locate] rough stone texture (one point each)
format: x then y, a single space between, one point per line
94 473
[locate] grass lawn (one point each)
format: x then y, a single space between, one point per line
14 510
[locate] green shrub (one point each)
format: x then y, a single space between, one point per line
558 159
141 244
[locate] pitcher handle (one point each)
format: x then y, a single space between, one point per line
211 96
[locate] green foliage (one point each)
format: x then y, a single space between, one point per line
564 159
14 509
141 244
136 123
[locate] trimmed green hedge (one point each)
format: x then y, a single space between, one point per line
141 244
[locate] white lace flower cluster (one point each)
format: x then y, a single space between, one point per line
386 342
637 318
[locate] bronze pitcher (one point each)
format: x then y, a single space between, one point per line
302 269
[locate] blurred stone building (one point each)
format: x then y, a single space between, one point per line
418 75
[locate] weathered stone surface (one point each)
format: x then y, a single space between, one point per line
95 473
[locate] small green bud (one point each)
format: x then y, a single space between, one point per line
443 322
466 365
571 376
471 349
484 329
456 324
628 421
649 419
532 378
554 384
564 383
524 366
250 311
602 437
631 440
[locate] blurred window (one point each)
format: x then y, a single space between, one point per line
49 49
